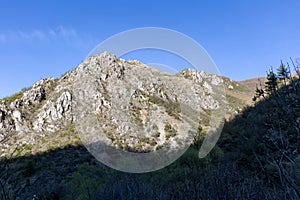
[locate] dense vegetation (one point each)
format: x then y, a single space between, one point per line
257 157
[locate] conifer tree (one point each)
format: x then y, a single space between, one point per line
271 83
283 73
259 92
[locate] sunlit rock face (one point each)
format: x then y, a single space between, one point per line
138 107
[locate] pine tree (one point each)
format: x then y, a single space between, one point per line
259 92
271 83
283 73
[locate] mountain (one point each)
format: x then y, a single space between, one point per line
48 106
139 109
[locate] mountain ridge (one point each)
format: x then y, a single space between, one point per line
47 106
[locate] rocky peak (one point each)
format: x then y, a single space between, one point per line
115 89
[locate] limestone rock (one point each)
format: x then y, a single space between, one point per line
54 114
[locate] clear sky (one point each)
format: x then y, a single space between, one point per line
40 39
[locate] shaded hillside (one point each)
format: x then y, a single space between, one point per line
71 173
265 138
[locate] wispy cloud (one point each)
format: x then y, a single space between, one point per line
59 32
63 32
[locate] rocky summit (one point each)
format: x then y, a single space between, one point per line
138 107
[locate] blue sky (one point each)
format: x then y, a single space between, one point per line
40 39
